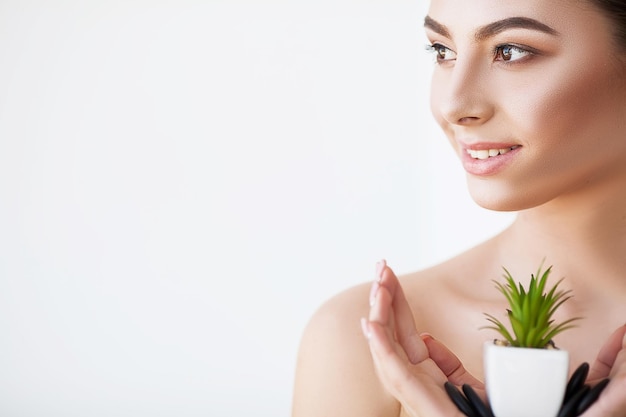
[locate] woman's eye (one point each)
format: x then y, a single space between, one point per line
442 53
510 53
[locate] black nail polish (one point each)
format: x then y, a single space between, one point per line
482 409
577 381
569 408
459 400
591 396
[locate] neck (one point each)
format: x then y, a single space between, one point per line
581 234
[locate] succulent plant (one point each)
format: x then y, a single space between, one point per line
530 311
530 314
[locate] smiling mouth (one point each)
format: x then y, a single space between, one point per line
489 153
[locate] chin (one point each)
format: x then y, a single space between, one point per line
503 198
499 205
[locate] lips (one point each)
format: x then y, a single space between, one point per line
485 159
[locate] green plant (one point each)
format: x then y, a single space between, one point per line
530 311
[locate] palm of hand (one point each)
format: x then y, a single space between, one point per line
413 367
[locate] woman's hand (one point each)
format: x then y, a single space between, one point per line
611 363
412 367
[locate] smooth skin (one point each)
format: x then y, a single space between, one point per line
554 93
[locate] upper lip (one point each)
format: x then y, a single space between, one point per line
479 146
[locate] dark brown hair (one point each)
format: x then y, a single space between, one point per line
615 10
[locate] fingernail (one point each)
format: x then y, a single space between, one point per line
373 292
380 267
365 328
425 336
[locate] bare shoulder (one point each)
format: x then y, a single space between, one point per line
335 375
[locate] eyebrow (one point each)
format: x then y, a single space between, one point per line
494 28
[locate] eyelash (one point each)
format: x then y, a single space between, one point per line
499 50
437 48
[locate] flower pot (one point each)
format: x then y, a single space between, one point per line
525 382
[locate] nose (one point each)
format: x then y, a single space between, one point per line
460 94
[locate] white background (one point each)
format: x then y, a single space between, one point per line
182 184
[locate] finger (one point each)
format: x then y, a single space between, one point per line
380 305
405 329
381 312
611 401
591 396
418 387
611 362
606 359
391 365
450 364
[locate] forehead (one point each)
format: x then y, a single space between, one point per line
466 15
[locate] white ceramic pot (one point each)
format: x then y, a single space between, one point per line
525 382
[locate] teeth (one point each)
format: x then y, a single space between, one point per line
487 153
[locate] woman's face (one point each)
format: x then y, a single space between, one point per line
531 95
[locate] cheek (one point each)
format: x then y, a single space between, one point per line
547 111
568 124
569 110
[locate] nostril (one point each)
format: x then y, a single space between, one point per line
467 120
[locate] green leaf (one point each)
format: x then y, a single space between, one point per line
531 309
499 327
518 330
